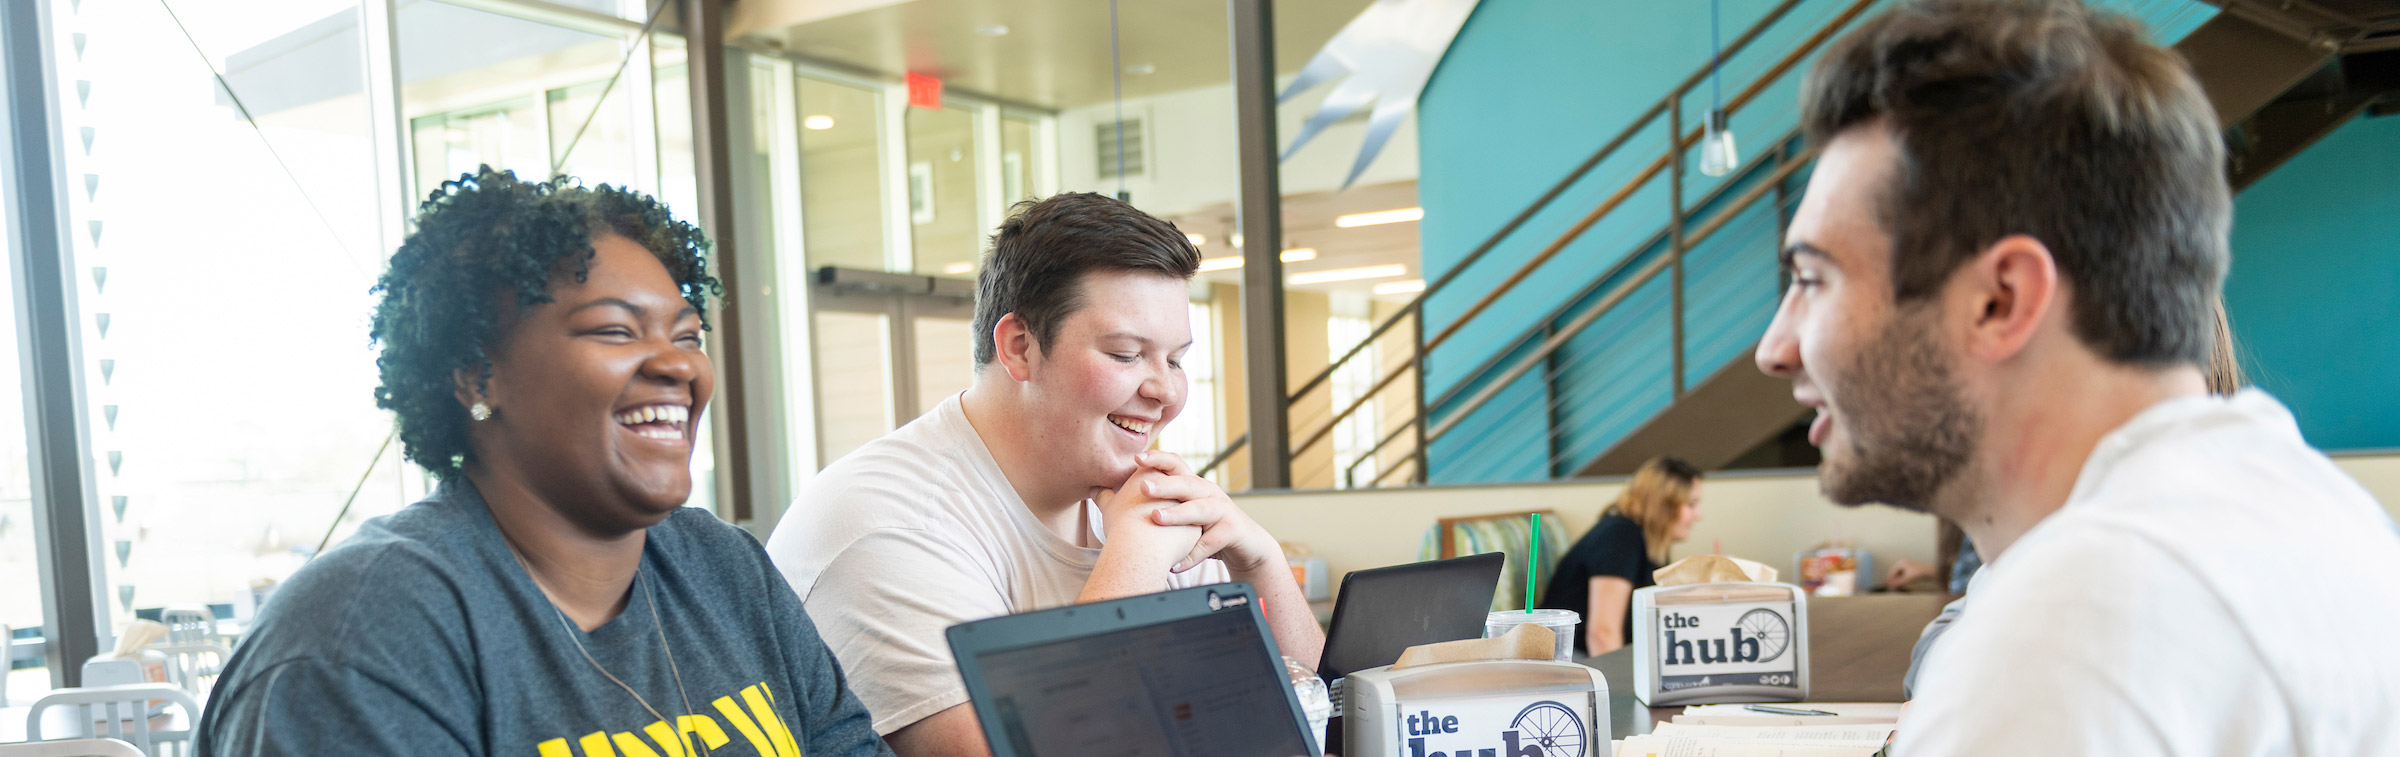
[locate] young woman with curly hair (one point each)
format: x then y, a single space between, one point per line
541 351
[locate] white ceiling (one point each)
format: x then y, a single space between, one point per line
1308 222
1055 53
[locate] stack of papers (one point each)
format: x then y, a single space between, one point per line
1733 730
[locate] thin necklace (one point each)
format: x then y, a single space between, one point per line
574 635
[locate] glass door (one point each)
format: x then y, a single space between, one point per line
884 357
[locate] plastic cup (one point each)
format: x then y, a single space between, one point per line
1560 622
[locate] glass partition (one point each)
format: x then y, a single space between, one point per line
945 227
841 175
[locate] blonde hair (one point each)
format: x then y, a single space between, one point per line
1654 499
2224 370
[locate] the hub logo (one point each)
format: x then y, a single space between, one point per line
1760 635
1542 729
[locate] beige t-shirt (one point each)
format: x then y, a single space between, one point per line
916 532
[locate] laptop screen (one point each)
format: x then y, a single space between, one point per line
1183 687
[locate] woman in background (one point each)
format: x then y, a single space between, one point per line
1597 576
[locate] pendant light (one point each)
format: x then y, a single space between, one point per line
1717 153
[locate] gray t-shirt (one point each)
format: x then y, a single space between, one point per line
423 635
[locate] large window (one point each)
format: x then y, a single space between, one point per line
223 274
1358 433
21 620
1194 435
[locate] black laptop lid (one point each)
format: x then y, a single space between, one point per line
1188 672
1384 611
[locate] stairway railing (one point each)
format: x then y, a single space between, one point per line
1669 161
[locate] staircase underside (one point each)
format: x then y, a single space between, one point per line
1715 421
2279 81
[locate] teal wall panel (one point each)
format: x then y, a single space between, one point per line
2314 294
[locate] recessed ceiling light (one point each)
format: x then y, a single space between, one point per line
1196 239
1402 215
1347 274
1141 69
992 30
1229 262
958 268
817 123
1410 286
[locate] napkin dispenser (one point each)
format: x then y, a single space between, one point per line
1481 708
1732 641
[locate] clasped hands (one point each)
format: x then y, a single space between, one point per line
1166 512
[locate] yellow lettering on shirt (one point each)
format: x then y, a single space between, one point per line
762 708
595 744
632 745
706 727
742 723
751 712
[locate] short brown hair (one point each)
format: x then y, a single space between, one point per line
2050 119
1041 254
1653 499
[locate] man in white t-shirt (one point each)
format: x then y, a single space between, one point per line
2002 277
1033 488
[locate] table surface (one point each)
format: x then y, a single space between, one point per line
1857 652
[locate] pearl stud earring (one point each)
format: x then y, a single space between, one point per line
480 412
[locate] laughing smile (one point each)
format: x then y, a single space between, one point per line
657 421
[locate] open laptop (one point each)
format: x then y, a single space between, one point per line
1187 672
1382 612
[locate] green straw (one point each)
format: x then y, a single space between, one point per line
1533 562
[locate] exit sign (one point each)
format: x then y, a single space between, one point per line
924 91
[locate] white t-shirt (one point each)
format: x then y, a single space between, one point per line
2212 586
916 532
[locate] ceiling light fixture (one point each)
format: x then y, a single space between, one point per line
1410 286
1230 262
958 268
1347 274
992 30
1197 240
1142 69
817 123
1380 217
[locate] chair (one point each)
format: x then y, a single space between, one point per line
1508 533
72 748
124 712
189 664
189 624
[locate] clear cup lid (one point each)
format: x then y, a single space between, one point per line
1543 617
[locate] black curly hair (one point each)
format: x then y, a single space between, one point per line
479 236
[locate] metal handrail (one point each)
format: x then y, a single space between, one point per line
1680 143
1782 157
1664 234
1542 203
1608 302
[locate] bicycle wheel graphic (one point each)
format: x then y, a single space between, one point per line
1553 727
1769 628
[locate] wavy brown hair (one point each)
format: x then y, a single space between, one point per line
1654 498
